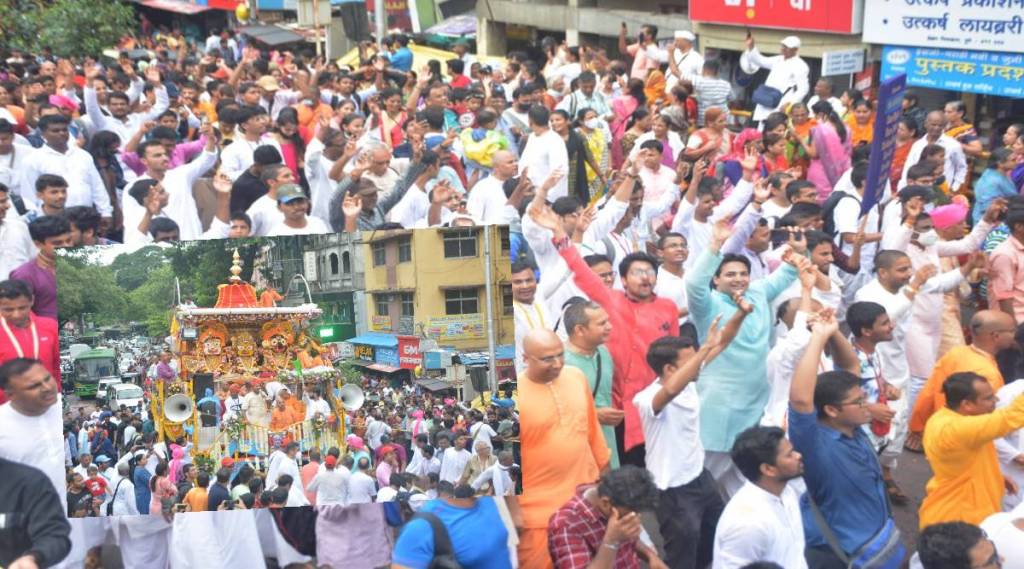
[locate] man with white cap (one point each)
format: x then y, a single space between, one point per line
684 61
788 74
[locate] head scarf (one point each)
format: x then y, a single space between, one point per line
174 467
948 215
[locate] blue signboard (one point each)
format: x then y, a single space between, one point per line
883 145
982 72
387 356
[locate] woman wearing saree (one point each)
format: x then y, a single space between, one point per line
623 108
861 123
639 125
1014 140
828 148
712 142
670 141
579 156
906 136
800 125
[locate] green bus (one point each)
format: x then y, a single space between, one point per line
91 367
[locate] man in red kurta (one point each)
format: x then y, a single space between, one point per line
638 317
23 334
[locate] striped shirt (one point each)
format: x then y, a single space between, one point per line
711 92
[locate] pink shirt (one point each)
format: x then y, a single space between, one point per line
642 63
1006 276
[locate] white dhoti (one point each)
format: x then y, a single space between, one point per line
216 540
144 541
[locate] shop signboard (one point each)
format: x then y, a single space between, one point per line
409 355
989 25
387 356
984 72
844 62
883 145
380 323
461 327
363 352
833 16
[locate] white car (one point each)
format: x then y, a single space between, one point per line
126 394
104 385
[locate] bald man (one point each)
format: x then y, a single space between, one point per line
955 168
561 439
487 199
992 332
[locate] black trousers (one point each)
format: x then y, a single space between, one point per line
822 557
687 516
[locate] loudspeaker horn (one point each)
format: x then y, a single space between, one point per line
352 397
178 408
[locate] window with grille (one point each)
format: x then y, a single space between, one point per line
379 256
381 301
404 249
460 243
408 304
506 300
462 301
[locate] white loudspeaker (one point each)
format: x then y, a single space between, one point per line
178 408
352 397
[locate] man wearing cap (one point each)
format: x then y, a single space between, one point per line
331 484
274 99
461 49
683 60
360 206
293 205
788 73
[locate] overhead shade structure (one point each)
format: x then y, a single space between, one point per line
383 368
433 384
271 35
421 54
376 340
175 6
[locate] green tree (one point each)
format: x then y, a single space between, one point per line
152 301
68 27
132 270
84 287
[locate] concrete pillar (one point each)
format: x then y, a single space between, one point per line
490 37
572 20
338 44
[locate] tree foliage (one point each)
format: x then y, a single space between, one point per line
151 303
131 270
68 27
86 288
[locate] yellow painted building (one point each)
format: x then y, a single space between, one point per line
431 281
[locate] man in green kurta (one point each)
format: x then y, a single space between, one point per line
588 327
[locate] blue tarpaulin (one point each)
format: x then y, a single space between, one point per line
377 340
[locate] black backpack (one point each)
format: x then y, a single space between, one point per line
444 553
828 210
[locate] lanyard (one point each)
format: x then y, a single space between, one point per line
529 320
16 344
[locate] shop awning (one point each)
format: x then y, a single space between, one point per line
271 35
433 384
383 368
376 340
503 352
174 6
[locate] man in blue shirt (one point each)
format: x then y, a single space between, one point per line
477 534
401 57
841 468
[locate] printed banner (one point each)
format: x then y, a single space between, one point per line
462 327
883 145
966 71
836 16
993 25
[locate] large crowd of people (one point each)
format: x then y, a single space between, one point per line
722 325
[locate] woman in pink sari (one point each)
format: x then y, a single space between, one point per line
174 468
828 149
623 108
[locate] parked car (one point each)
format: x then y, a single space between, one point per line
103 388
126 394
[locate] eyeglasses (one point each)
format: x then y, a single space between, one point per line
859 402
643 273
994 561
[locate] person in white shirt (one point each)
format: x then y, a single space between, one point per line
672 253
529 312
823 92
76 166
686 59
955 168
498 474
1006 530
375 429
362 488
15 240
315 403
121 122
264 212
252 125
454 461
1010 448
292 203
390 492
762 522
428 463
545 153
180 203
487 202
423 204
481 431
12 163
331 483
282 462
124 493
689 502
788 73
234 403
30 422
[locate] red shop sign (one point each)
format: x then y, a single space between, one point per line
409 355
835 16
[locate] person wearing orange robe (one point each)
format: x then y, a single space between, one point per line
993 331
562 442
967 484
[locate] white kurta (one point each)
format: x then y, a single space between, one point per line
791 76
1011 446
37 442
281 464
759 526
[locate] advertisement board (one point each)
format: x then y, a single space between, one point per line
387 356
409 355
987 25
883 145
363 352
982 72
461 327
835 16
845 62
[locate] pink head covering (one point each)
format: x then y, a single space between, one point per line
356 443
63 102
417 414
948 215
